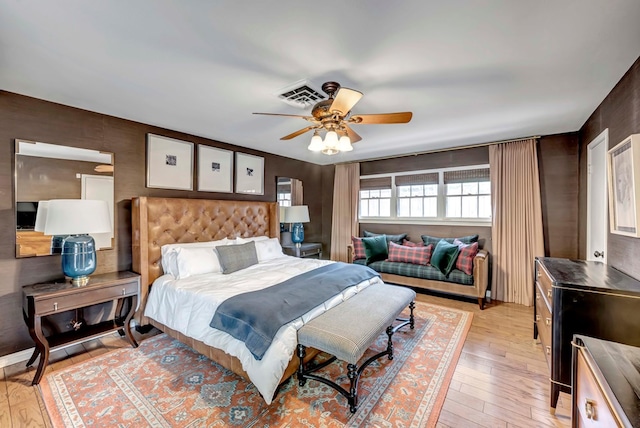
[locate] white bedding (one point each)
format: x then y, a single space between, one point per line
187 305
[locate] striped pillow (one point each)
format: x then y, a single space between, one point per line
406 254
412 244
465 258
358 248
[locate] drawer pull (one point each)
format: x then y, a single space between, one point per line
537 296
537 318
549 293
124 291
590 409
539 274
547 321
547 350
55 306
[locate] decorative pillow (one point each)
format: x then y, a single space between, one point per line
465 258
196 261
434 240
444 256
236 257
406 254
358 248
241 240
375 248
412 244
268 249
390 238
169 255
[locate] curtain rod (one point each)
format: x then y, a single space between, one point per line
472 146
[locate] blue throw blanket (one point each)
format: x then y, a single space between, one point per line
256 317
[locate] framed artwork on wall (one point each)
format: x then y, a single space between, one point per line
623 169
215 169
249 174
169 163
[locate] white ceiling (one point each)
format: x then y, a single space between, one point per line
470 71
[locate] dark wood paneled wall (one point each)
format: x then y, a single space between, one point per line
558 165
620 112
32 119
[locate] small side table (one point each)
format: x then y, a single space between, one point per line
306 249
48 298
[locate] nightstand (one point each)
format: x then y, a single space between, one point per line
306 249
49 298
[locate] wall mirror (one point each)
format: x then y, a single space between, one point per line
50 171
290 192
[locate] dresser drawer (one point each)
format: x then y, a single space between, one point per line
544 280
63 302
544 324
307 253
593 408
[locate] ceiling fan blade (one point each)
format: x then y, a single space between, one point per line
299 132
376 119
345 100
288 115
353 135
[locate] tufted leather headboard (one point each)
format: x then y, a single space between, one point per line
160 221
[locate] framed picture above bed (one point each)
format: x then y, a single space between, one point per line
215 169
624 187
249 174
169 163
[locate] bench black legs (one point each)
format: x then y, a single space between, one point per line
353 371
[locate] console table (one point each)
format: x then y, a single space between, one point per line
48 298
581 297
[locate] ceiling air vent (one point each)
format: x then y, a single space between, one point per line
301 94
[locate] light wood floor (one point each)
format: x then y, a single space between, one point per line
501 379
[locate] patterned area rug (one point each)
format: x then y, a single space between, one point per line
164 383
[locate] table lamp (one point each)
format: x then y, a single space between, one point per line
76 219
297 215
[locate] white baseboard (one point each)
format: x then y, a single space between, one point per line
16 357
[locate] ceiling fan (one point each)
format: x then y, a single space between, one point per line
334 116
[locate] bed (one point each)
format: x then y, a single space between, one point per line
160 221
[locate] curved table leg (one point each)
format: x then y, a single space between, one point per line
127 322
42 347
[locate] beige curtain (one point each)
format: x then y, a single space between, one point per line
517 236
344 219
297 194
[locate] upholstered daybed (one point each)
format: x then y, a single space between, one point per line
423 275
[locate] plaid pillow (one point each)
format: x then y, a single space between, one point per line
406 254
412 244
358 248
465 258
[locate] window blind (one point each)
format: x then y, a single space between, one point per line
379 183
466 175
408 180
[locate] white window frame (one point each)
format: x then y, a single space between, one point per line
440 219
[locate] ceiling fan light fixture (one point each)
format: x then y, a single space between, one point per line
344 144
316 144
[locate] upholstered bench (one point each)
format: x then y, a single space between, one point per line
347 330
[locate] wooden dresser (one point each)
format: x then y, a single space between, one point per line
606 379
581 297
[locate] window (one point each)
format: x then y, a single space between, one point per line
448 194
284 199
468 193
375 197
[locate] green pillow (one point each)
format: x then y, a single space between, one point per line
236 257
444 257
375 248
397 239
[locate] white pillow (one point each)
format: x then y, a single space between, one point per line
168 251
240 240
196 261
268 249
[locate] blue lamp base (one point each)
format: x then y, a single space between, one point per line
79 258
297 234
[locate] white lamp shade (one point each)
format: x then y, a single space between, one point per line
281 214
41 216
75 216
344 144
297 214
316 143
